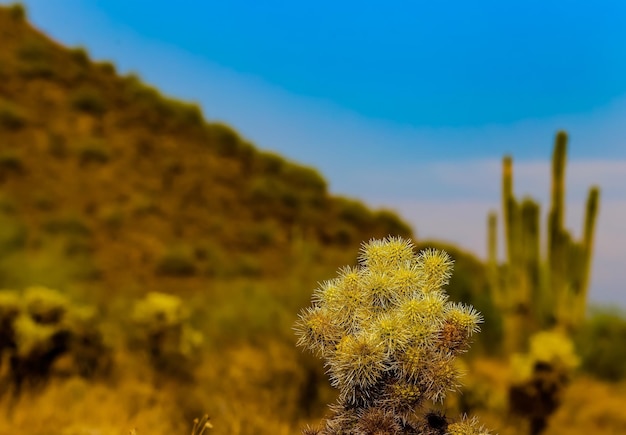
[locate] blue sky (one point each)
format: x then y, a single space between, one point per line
410 105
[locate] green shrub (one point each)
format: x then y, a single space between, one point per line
137 91
182 113
35 59
353 212
58 260
17 11
93 151
275 197
177 261
159 111
79 54
392 224
226 140
33 50
261 234
68 225
10 162
76 247
340 234
112 217
210 256
602 345
38 69
89 100
264 191
142 205
248 265
269 163
107 67
13 233
304 178
144 148
7 205
11 117
45 202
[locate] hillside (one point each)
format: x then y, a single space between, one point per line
104 179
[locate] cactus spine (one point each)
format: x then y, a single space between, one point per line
532 294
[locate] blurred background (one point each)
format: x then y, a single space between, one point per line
176 180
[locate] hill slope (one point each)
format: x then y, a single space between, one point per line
103 178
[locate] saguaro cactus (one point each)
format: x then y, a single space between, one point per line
534 294
389 336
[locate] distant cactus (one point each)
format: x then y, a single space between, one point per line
165 334
39 326
389 336
540 378
534 294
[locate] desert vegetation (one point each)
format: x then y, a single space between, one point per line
153 263
389 337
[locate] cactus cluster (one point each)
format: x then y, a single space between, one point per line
389 336
38 327
163 331
531 293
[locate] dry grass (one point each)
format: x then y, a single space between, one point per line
255 390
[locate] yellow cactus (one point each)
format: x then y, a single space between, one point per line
389 336
163 331
32 336
159 308
540 377
45 305
554 347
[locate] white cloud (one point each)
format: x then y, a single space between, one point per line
463 193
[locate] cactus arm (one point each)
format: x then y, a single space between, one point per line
591 214
492 259
508 205
557 251
531 258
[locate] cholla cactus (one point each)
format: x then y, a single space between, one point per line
550 348
389 337
38 327
540 377
164 332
